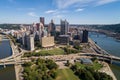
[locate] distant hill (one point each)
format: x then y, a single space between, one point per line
10 26
114 27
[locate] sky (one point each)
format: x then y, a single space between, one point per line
74 11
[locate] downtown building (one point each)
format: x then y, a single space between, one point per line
46 40
27 41
64 27
30 42
64 38
52 29
85 36
42 20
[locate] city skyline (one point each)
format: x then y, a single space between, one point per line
75 11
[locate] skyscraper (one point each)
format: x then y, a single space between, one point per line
34 27
85 36
30 42
64 27
52 28
42 21
41 28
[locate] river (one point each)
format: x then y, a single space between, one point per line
7 73
112 46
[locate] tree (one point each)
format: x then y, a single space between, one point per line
41 70
89 73
27 64
37 44
51 64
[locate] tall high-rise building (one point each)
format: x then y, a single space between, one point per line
42 21
52 28
41 28
24 38
34 27
30 42
64 27
85 36
37 25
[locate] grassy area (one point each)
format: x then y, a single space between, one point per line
97 65
56 51
66 74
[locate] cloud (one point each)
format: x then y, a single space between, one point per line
50 11
57 13
62 4
102 2
79 9
32 14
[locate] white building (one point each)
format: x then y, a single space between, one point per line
30 42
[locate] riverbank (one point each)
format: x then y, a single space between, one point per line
18 72
7 73
111 45
106 69
16 67
98 50
110 33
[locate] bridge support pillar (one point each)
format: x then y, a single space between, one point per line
111 61
4 65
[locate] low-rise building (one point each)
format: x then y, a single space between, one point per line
86 61
47 41
64 39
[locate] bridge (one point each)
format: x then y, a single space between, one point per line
15 58
19 60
